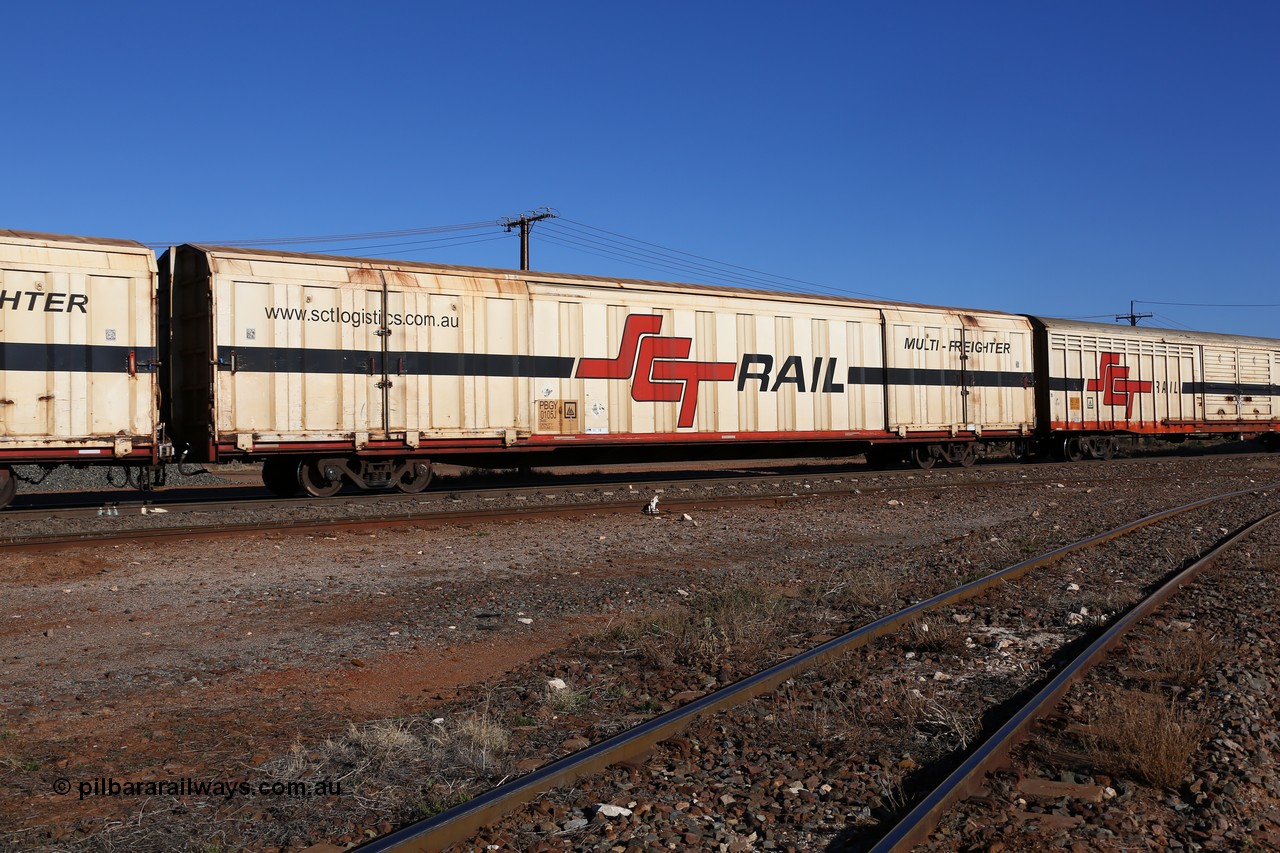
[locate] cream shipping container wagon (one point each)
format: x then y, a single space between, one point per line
338 371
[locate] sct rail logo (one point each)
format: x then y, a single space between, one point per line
657 366
1114 383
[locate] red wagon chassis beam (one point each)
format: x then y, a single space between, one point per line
1238 425
1165 427
141 454
429 446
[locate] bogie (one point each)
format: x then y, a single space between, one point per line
288 476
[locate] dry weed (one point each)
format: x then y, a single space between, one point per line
828 718
899 707
740 625
1104 603
867 588
477 741
936 635
567 699
1182 657
1147 735
891 786
927 715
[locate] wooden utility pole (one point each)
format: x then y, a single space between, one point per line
1132 317
525 222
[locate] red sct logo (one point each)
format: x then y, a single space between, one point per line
657 366
1114 383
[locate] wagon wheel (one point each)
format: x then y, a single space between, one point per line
280 476
1072 449
416 477
922 456
964 454
1104 448
8 487
315 482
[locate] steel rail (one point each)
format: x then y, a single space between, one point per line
174 501
966 779
462 822
406 514
175 498
432 518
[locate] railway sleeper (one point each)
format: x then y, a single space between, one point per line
325 476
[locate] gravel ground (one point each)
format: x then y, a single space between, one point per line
33 478
831 759
1196 688
281 657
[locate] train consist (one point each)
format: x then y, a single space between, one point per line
336 371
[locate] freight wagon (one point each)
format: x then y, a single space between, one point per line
1095 382
336 370
344 369
78 356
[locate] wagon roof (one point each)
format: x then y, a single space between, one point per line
1166 335
576 278
8 235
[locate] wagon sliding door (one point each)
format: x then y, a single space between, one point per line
79 371
1238 383
298 362
923 384
453 363
426 383
956 372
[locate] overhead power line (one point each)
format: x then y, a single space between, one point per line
1211 304
647 257
420 245
1166 320
611 243
572 235
620 252
672 270
334 238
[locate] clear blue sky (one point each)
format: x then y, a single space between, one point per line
1054 158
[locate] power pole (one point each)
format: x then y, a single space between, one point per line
525 222
1132 317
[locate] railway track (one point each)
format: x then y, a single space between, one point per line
302 639
461 824
246 491
123 521
991 754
